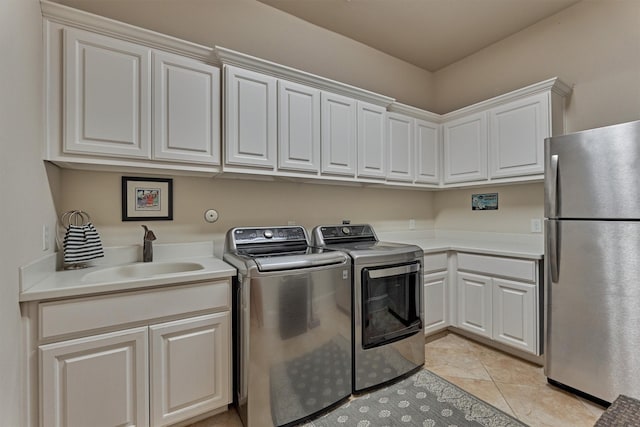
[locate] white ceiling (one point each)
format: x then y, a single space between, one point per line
428 33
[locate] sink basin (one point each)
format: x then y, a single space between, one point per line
140 270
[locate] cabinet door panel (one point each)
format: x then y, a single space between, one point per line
475 303
400 147
189 367
514 314
186 110
428 152
338 134
250 121
465 149
371 141
298 127
107 96
96 381
435 302
517 131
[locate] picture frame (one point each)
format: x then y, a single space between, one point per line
147 199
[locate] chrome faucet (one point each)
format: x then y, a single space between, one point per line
147 245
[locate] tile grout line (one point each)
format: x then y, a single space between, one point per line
513 411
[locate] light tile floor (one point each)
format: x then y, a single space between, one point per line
516 387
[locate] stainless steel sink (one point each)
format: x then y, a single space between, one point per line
140 270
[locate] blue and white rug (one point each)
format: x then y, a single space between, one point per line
423 399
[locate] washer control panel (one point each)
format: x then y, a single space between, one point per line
269 234
344 233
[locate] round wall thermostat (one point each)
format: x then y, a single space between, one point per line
211 215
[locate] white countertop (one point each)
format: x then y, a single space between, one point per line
499 244
40 280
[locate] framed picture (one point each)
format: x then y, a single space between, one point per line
484 202
147 199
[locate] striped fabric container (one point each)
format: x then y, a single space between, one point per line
82 243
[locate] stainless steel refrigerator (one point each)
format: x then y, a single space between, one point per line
592 261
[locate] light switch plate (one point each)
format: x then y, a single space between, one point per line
536 225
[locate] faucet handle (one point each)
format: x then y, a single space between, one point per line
148 234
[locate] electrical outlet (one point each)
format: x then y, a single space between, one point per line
412 224
536 225
291 222
45 237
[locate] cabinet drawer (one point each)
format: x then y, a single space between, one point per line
435 262
85 314
496 266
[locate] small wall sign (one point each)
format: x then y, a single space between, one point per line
484 202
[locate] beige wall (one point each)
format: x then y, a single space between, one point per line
26 201
593 45
517 206
256 29
243 202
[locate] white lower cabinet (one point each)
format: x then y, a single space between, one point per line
189 367
436 292
514 313
172 366
474 303
99 380
435 302
501 304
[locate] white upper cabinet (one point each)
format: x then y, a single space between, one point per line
106 96
186 109
400 147
338 134
372 153
465 148
298 127
516 133
117 100
250 118
428 152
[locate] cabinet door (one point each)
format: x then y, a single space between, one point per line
400 147
107 96
474 303
428 152
250 118
96 381
514 314
338 134
190 365
298 127
465 149
516 133
371 141
186 110
435 302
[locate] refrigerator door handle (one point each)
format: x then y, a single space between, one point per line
552 250
551 190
